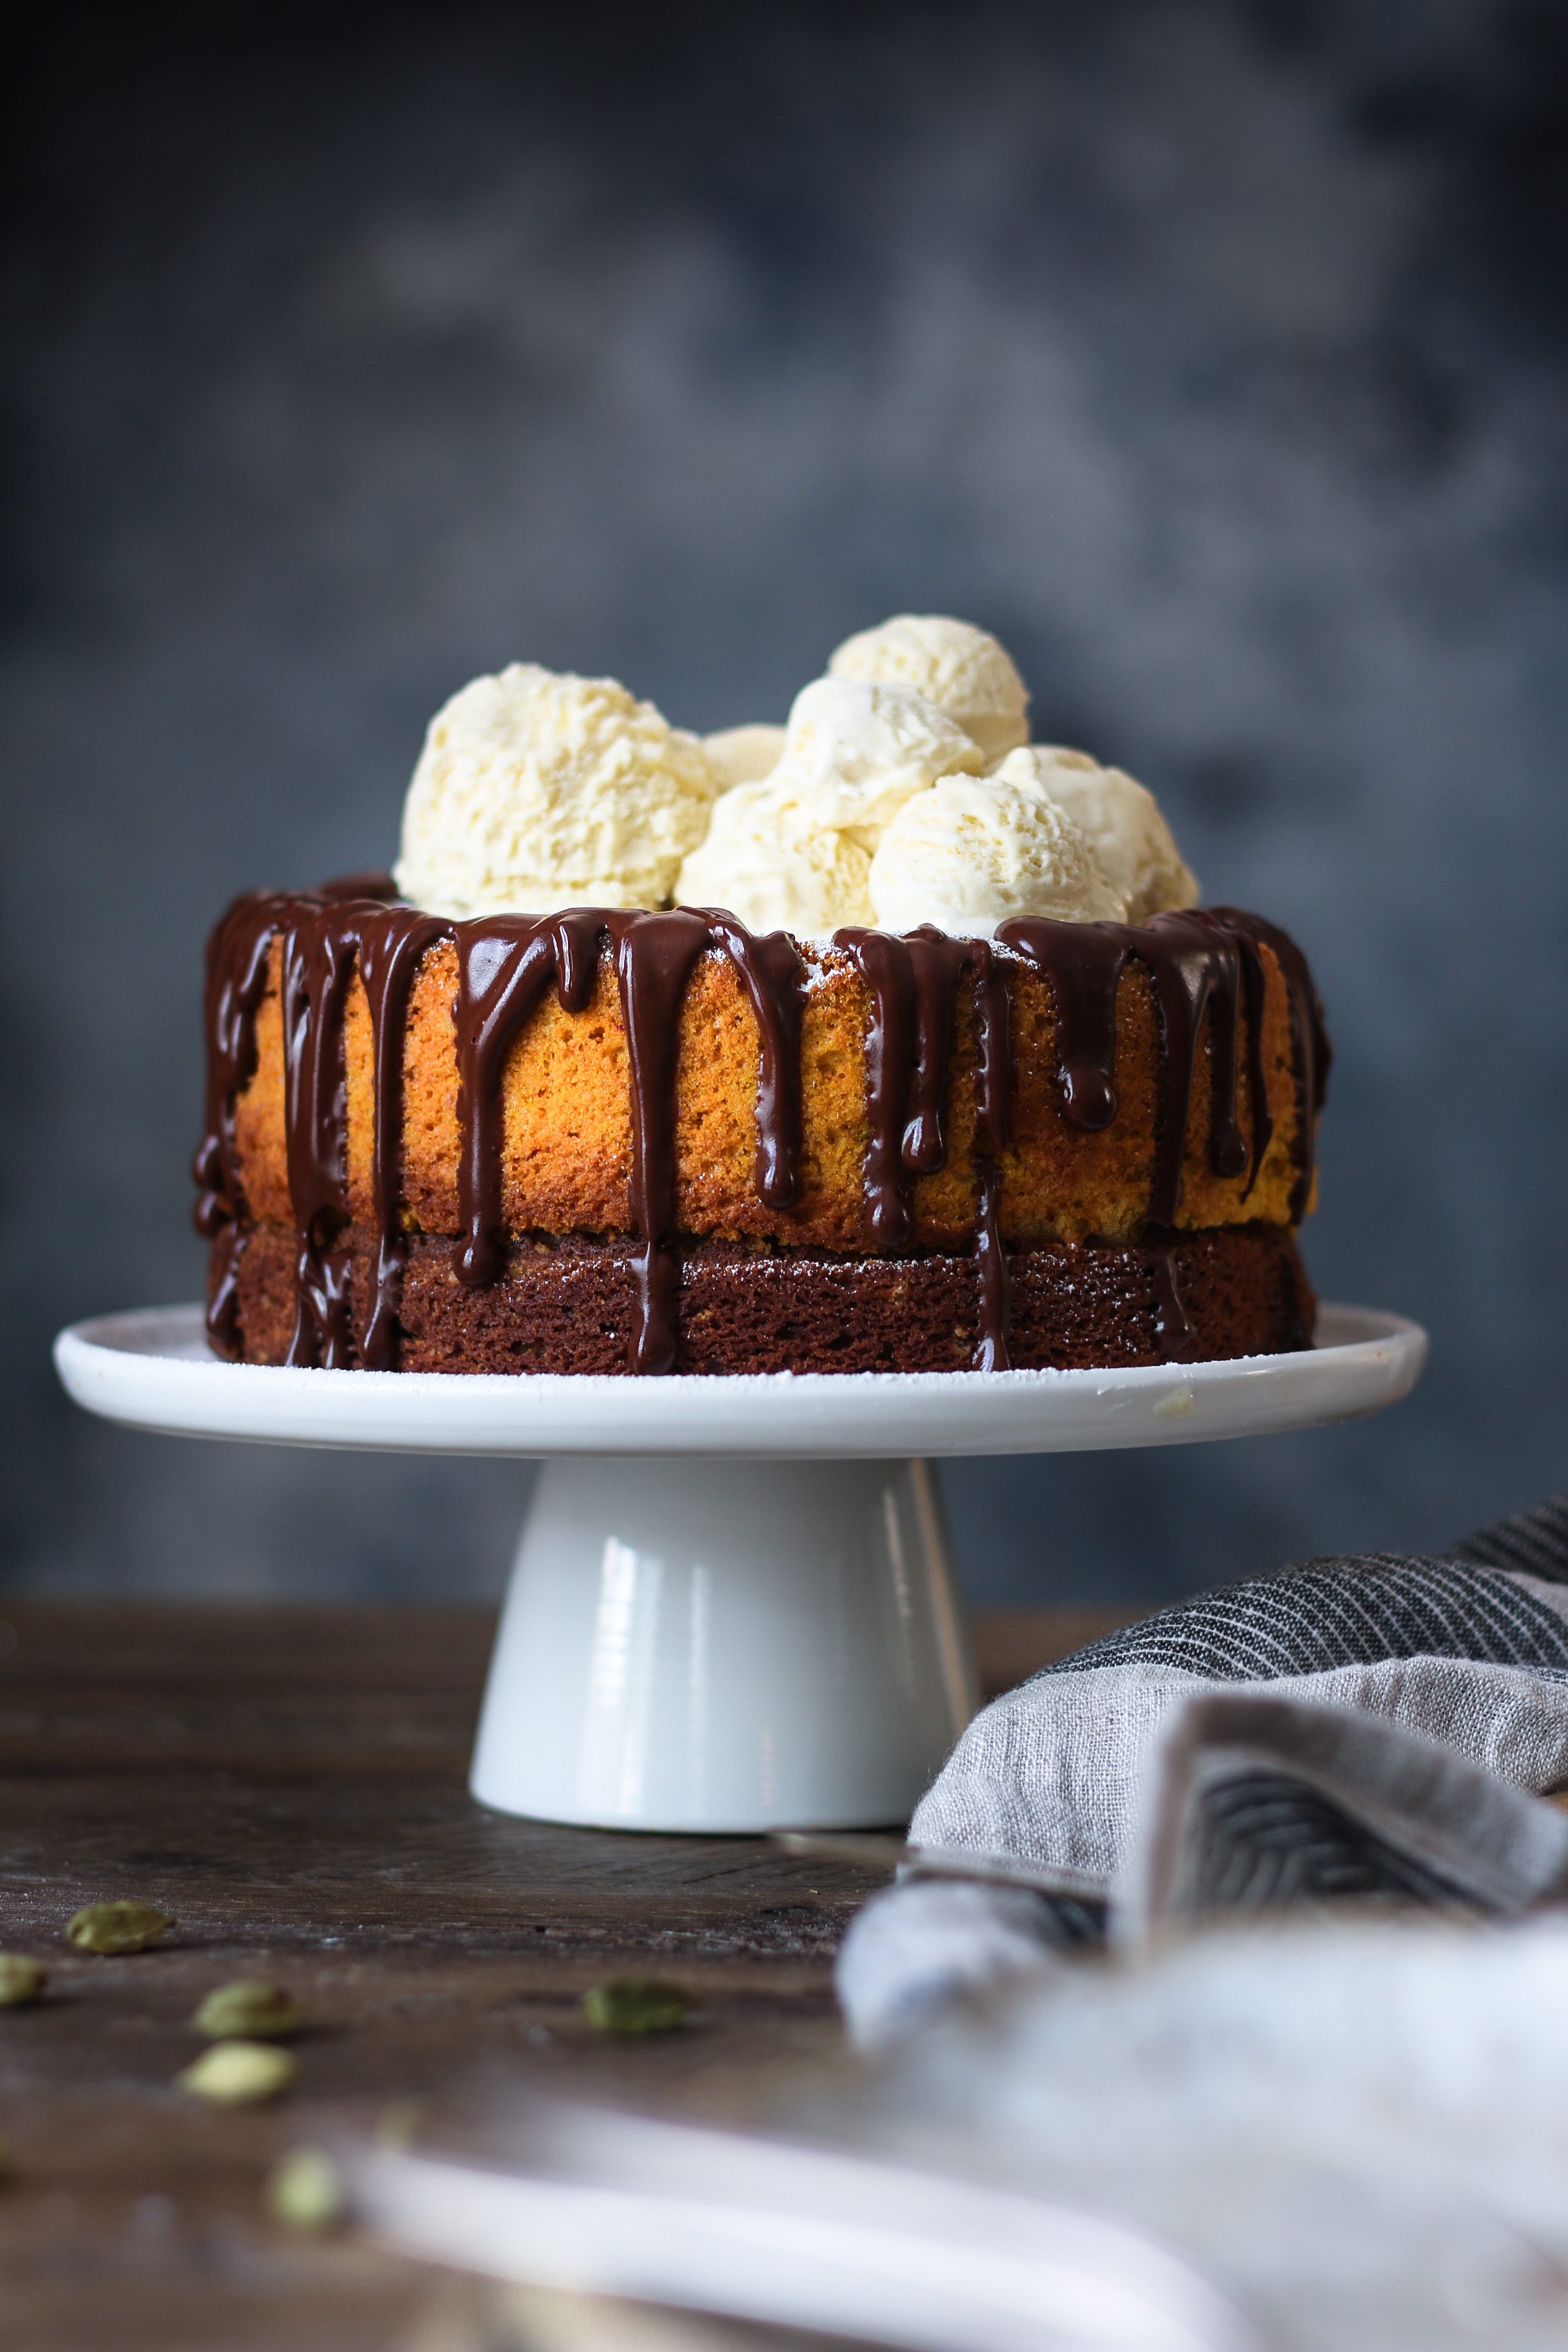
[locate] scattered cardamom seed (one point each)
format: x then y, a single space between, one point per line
635 2005
306 2190
21 1979
239 2074
117 1928
248 2012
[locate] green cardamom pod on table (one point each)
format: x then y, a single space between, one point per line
630 2005
247 2011
239 2074
117 1928
21 1979
306 2190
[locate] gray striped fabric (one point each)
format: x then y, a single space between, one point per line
1532 1543
1341 1613
1456 1665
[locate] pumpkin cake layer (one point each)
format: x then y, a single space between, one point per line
566 1147
569 1305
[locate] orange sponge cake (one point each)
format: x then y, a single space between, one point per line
608 1140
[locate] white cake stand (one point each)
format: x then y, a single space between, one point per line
732 1607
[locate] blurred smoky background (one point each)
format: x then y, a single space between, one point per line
1211 354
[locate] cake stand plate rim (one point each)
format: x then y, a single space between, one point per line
150 1368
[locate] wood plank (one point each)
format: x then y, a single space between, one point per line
289 1782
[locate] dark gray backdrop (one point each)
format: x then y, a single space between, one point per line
1212 355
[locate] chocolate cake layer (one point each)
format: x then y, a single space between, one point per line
570 1306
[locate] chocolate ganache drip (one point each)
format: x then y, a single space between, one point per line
995 1084
506 962
653 964
1201 962
318 964
1309 1045
913 982
323 934
1205 968
322 949
236 975
392 943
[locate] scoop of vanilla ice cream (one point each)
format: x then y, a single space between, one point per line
950 663
744 755
853 753
768 862
1121 822
976 850
537 789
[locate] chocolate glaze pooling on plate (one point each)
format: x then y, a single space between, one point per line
1207 968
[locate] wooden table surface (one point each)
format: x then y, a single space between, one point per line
290 1783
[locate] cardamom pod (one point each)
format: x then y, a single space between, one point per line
117 1928
306 2190
21 1979
635 2005
248 2012
239 2074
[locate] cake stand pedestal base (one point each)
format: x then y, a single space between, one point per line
730 1611
712 1645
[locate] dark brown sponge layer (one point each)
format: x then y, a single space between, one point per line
567 1305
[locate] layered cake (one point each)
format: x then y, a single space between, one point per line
884 1041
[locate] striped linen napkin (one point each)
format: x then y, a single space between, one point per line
1374 1727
